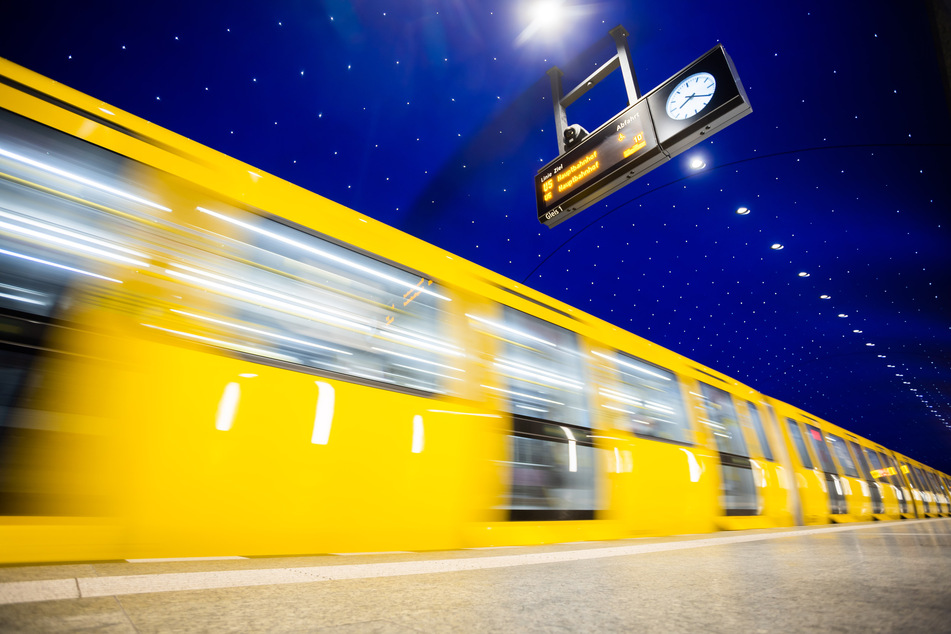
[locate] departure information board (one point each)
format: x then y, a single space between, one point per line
626 142
697 102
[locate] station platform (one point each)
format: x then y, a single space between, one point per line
870 577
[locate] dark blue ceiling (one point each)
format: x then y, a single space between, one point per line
434 116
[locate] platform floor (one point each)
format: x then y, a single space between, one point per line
876 577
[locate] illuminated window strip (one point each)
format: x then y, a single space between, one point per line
415 369
531 409
511 330
25 300
645 404
56 240
262 290
69 232
631 366
323 254
445 411
223 344
535 373
528 396
261 332
80 179
412 358
268 302
59 266
390 335
20 289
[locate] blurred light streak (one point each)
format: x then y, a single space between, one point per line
514 331
323 254
59 266
224 344
259 295
50 239
263 333
522 394
80 179
412 358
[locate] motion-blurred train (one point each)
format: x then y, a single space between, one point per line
201 359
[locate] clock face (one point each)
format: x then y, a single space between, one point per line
691 96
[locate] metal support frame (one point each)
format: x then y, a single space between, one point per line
561 101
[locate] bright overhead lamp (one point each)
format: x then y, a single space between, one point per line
743 211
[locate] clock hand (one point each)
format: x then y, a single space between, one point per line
686 100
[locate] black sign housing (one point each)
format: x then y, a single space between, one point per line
637 140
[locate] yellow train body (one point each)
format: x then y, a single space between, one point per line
207 360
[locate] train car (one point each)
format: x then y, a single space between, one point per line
202 359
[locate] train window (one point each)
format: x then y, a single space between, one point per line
878 469
893 472
722 421
861 461
842 453
801 449
219 275
923 483
932 483
738 487
821 449
552 473
645 399
760 430
539 367
297 298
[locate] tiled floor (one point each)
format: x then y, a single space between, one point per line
866 577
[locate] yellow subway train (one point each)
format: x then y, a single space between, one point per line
201 359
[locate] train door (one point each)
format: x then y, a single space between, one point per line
907 501
917 494
809 484
774 489
941 503
788 480
738 488
927 497
538 376
850 475
60 250
837 502
874 488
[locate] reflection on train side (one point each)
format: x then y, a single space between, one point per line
173 360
